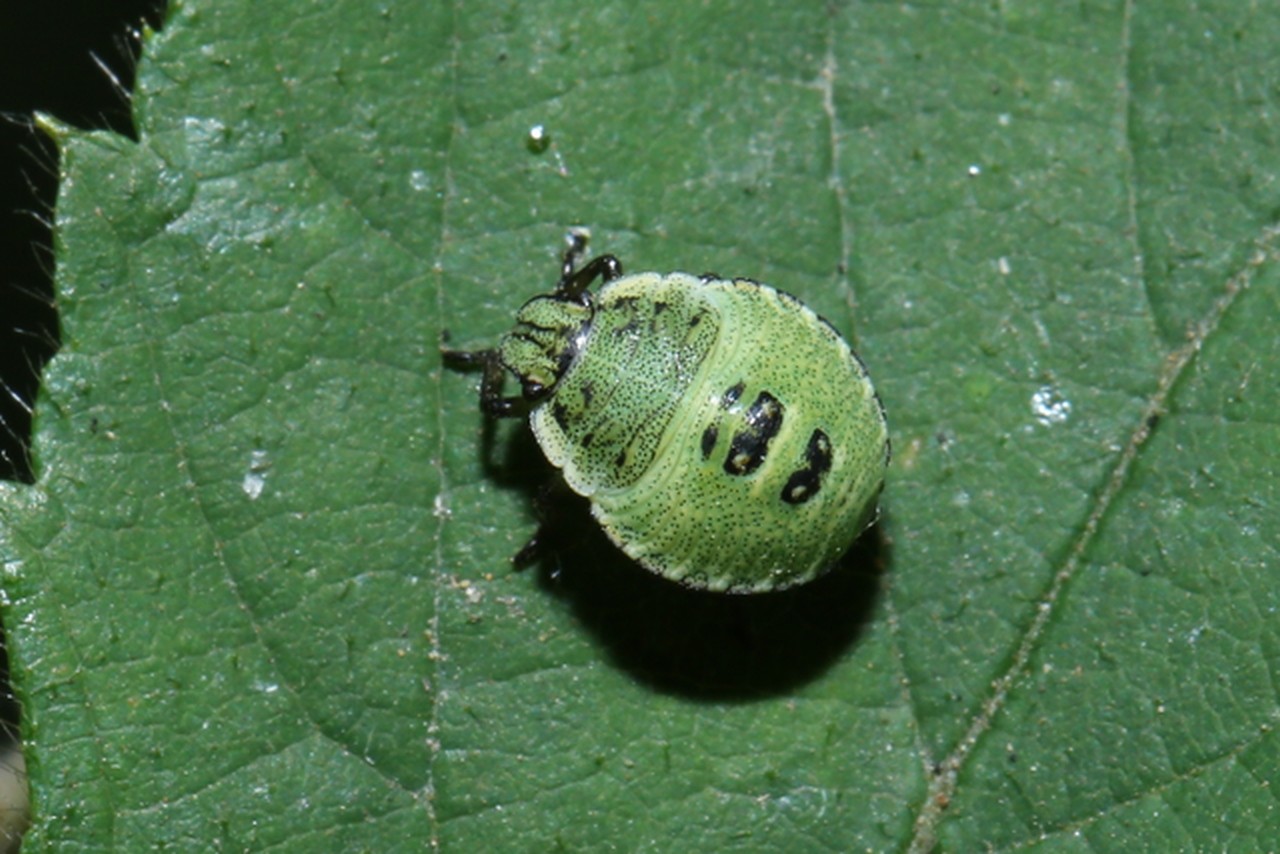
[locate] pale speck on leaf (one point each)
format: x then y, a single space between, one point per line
255 479
1049 406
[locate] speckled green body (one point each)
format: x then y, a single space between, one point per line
727 437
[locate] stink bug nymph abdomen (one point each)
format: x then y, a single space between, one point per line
727 436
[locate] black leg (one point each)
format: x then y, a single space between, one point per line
531 552
549 505
492 402
577 245
573 283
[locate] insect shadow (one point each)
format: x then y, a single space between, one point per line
701 645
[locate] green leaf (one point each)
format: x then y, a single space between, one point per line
262 596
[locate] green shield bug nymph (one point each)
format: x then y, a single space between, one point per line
727 436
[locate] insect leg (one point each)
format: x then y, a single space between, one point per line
492 401
573 283
549 504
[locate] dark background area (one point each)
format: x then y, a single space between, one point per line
75 61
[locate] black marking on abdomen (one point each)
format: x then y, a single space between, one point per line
628 306
709 437
750 444
560 414
804 483
731 395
